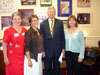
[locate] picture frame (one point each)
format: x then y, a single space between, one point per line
28 2
84 18
6 21
25 14
64 8
41 18
84 3
45 2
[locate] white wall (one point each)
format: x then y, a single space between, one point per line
93 30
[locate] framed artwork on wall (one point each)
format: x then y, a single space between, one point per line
45 2
84 18
25 14
83 3
28 2
6 21
64 8
42 17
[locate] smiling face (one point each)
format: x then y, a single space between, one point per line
51 13
72 22
16 20
34 22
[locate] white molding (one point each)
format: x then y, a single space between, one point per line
93 37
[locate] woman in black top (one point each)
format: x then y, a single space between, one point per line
33 48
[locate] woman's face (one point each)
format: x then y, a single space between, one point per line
34 22
16 20
72 22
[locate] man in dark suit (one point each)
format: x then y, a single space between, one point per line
54 42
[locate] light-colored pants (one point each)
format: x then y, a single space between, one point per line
36 68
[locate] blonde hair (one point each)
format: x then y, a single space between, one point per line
16 13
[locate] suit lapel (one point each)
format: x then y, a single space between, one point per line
47 27
55 26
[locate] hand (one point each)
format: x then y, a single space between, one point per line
80 60
30 63
43 54
6 61
63 51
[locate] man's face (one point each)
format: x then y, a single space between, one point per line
51 13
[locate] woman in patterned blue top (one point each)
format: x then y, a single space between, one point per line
74 46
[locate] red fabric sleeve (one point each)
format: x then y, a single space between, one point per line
7 36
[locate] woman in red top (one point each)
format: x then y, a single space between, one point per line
13 46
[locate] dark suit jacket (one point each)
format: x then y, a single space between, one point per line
53 45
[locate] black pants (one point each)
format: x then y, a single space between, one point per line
73 66
52 66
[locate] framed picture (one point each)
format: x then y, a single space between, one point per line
42 17
45 2
64 8
28 2
84 19
6 21
83 3
65 23
25 14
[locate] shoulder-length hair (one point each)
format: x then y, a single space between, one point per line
72 17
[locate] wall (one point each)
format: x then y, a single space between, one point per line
93 30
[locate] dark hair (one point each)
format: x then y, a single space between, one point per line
72 16
16 13
32 16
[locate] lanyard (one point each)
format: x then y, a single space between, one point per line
51 26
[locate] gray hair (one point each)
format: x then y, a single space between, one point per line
16 13
52 7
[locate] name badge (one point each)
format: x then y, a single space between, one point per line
23 34
76 33
16 35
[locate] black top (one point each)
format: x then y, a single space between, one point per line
33 43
